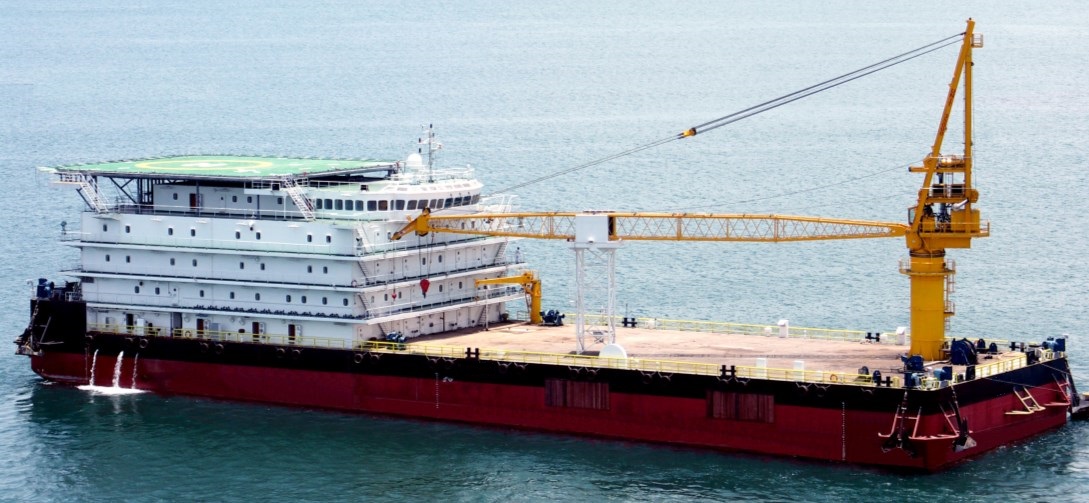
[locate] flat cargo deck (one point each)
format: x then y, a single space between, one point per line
820 355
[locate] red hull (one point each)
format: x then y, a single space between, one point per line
835 434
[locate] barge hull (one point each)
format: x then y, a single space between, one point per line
847 423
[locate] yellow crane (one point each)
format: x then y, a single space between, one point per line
944 217
532 286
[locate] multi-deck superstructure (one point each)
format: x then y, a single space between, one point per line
292 249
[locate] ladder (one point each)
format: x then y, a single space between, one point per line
88 187
898 437
1064 388
293 190
1026 398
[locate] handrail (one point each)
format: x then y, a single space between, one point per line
650 367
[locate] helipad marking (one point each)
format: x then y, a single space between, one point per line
250 165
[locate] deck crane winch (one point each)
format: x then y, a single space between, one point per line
944 217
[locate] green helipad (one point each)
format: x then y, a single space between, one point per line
225 166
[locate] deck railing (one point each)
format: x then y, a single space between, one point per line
653 368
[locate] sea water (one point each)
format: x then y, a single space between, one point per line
519 90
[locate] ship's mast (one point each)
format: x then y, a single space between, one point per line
433 146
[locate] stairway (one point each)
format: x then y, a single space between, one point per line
293 190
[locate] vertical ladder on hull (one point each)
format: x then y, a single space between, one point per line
897 436
1064 388
88 187
1026 398
295 191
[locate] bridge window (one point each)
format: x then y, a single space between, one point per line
359 205
328 204
449 202
339 204
399 204
317 204
383 205
411 205
349 205
372 205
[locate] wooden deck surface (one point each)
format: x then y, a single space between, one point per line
688 346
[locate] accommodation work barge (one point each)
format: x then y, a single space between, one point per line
297 282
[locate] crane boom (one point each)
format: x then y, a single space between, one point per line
640 226
943 217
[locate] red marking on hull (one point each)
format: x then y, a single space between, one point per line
834 434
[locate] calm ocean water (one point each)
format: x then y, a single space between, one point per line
522 89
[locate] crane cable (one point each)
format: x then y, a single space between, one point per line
757 109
